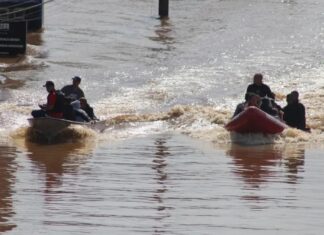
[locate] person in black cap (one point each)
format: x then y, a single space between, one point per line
53 107
73 92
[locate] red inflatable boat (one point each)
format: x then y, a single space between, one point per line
254 120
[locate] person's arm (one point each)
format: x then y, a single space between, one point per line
268 92
81 93
64 90
91 113
301 117
81 113
249 89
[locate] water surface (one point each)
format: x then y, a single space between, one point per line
166 88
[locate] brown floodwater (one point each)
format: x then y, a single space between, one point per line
164 164
160 184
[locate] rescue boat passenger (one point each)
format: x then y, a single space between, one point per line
54 105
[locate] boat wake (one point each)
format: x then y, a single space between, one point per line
70 134
204 123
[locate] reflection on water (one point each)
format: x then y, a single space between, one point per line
259 165
160 164
54 161
294 160
7 179
163 33
35 38
254 164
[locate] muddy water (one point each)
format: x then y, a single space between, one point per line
160 184
165 164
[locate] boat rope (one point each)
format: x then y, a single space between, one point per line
18 4
24 9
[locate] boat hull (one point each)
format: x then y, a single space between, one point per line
254 120
51 127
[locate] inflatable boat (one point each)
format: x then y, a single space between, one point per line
254 120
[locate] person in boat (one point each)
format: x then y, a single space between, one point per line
259 88
241 106
73 91
251 99
269 106
83 111
68 111
54 105
268 97
294 112
87 108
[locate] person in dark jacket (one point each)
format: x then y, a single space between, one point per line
73 92
294 112
259 88
250 100
241 106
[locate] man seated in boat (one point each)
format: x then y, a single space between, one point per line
269 106
259 88
87 108
73 91
268 97
294 112
82 110
54 105
251 99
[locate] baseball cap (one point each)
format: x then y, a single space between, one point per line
48 83
77 78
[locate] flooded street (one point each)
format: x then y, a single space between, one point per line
162 184
164 164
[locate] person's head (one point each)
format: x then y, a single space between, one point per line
289 99
294 96
247 96
49 86
257 79
254 100
76 81
83 102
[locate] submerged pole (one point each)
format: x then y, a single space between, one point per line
163 8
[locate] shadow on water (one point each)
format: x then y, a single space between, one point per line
160 164
54 161
258 166
7 179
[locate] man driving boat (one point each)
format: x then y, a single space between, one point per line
53 107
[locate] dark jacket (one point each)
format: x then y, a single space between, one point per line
262 90
294 115
73 93
239 108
